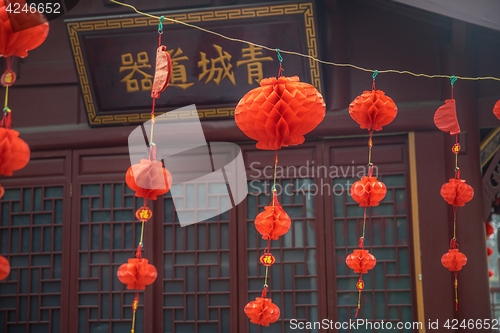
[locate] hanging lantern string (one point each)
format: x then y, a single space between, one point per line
142 227
275 169
153 103
135 304
266 250
385 71
374 75
364 228
280 59
6 103
455 223
358 286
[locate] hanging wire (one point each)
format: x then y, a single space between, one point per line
330 63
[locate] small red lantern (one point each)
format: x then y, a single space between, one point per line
454 260
148 179
496 109
489 229
361 261
368 191
262 311
22 31
14 152
279 112
456 192
490 273
445 117
137 274
373 109
273 222
489 251
4 268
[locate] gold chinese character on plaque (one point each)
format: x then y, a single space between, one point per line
216 69
136 66
252 57
179 76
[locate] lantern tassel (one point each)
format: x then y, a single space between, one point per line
456 291
360 286
359 305
135 304
7 118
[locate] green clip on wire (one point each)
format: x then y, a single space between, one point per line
280 58
374 75
453 79
160 24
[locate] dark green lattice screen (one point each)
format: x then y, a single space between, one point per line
293 278
387 295
31 234
108 236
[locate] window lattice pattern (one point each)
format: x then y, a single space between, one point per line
31 237
387 295
108 238
293 278
196 274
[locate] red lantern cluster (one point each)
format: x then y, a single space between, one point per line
453 260
273 222
373 110
148 179
489 229
14 152
279 112
22 31
457 192
361 261
262 311
496 109
368 191
137 274
445 117
4 268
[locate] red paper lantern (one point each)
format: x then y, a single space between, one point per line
273 222
22 31
445 117
456 192
368 191
137 274
490 273
4 268
489 229
489 251
279 112
373 109
151 179
361 261
496 109
14 152
262 311
454 260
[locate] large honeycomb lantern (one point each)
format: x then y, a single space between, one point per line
279 112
